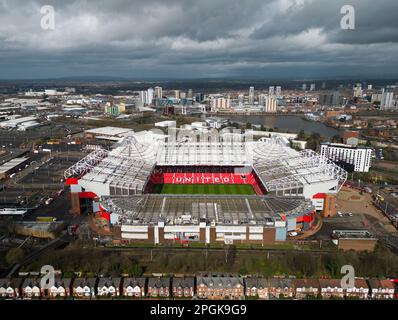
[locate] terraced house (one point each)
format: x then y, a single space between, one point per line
134 287
281 288
257 287
159 287
220 286
108 287
30 288
381 289
331 288
9 288
360 289
60 289
306 288
84 288
183 287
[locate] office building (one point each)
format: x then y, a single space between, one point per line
158 92
271 91
278 91
251 95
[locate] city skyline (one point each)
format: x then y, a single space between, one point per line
279 39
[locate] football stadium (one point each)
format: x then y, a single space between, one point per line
224 188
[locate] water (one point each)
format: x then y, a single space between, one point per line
291 124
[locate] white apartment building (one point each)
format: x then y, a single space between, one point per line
359 157
220 103
270 104
387 99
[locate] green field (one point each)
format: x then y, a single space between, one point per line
204 189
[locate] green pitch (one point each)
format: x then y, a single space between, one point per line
204 189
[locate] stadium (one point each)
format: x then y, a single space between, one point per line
209 188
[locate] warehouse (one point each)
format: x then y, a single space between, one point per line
12 166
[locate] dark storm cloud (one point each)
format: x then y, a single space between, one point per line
207 38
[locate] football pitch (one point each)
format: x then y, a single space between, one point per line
204 189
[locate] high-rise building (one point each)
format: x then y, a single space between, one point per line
199 97
304 87
312 87
370 87
271 91
241 100
358 90
177 94
330 99
158 92
220 103
261 99
270 104
190 94
150 95
387 99
323 85
144 97
278 91
251 95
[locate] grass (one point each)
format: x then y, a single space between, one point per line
204 189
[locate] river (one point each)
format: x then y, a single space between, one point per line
291 124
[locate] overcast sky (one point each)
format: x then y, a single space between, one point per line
152 39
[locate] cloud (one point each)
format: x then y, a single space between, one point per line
207 38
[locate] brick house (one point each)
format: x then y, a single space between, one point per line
331 288
109 287
9 288
306 288
281 288
134 287
159 287
30 288
220 286
381 289
60 289
183 287
256 287
359 291
84 288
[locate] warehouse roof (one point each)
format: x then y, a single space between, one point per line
5 167
108 131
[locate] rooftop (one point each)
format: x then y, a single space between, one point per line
192 209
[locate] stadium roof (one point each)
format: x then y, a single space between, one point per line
177 209
128 166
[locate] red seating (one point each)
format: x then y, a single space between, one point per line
199 177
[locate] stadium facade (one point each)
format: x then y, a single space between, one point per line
291 189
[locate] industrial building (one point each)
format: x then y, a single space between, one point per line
12 166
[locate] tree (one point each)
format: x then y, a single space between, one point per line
301 135
314 141
14 255
336 138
